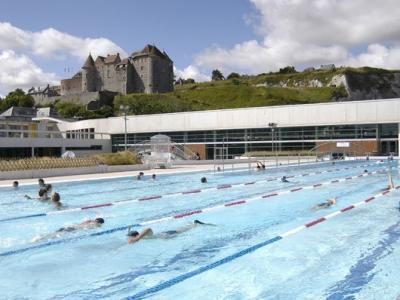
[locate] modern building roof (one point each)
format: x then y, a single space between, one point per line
320 114
27 113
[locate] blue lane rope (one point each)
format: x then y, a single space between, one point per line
23 217
180 278
51 243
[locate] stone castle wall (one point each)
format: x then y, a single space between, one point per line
71 86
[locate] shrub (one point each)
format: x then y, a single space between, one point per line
119 158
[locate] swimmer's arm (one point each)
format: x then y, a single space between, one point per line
28 197
141 235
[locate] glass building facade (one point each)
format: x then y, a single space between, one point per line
239 141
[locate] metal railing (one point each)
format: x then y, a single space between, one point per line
52 134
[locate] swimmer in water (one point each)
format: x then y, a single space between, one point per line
284 179
203 180
153 176
89 224
41 182
55 199
15 184
326 204
42 195
135 236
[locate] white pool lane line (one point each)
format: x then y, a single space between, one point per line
174 281
189 192
97 176
184 215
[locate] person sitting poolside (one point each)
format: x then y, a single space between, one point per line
135 236
326 204
284 179
89 224
42 195
203 180
15 184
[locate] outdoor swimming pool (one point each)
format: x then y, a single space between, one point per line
258 250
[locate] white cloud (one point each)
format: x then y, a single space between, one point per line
12 37
54 43
310 33
19 71
191 72
18 47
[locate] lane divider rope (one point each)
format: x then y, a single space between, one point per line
174 281
183 215
189 192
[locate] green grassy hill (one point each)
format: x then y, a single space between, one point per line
244 91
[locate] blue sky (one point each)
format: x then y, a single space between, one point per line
182 28
39 39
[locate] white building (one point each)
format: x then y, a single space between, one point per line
360 127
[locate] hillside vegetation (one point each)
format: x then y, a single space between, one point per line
280 88
245 91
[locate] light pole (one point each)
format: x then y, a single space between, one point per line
273 126
123 109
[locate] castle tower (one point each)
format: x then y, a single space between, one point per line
89 75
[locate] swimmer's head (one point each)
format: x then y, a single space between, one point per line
133 233
99 220
141 173
56 197
41 182
15 184
365 171
203 179
332 201
153 176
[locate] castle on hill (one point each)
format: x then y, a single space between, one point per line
146 71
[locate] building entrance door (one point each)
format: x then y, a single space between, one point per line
388 147
221 153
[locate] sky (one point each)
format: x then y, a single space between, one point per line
43 41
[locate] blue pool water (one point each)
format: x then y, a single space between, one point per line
354 255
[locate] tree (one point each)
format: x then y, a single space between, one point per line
233 75
287 70
16 98
217 75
